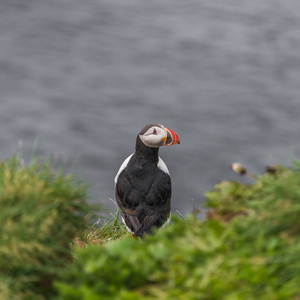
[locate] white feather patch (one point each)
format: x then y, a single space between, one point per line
161 165
167 222
123 166
128 229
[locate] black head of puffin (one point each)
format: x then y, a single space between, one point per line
156 135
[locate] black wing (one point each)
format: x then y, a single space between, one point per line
144 201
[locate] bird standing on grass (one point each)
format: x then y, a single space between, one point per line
143 184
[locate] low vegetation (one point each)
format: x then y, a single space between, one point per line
103 231
41 213
248 247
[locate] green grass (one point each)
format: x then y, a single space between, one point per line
41 213
109 229
247 248
101 232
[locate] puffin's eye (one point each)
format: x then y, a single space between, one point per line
154 131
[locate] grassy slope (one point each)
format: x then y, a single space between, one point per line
111 230
248 248
41 212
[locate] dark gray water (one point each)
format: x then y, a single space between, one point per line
86 76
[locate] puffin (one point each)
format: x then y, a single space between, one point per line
143 183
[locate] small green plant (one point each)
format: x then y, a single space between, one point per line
103 231
41 212
247 248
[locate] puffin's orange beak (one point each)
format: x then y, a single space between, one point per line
171 137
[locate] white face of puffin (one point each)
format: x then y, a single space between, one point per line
157 135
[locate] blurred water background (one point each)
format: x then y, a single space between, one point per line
85 76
